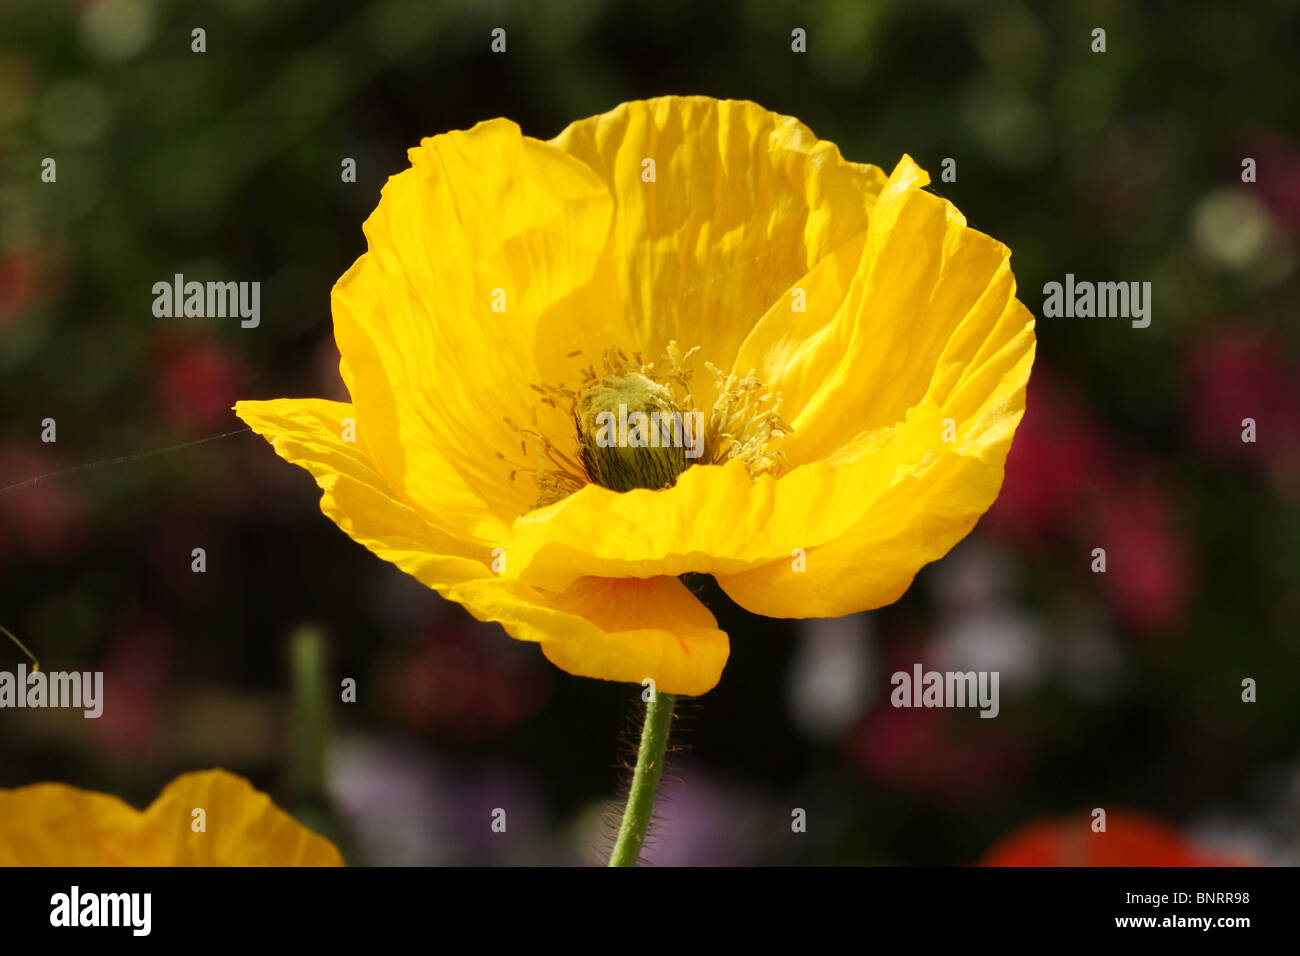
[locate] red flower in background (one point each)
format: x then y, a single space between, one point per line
20 275
1277 171
1234 375
198 382
923 750
455 684
45 519
136 671
1070 489
1130 839
1147 577
1057 462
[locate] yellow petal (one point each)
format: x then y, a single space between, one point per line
590 627
242 827
653 628
744 202
306 432
485 220
619 629
716 519
969 352
915 521
50 824
926 283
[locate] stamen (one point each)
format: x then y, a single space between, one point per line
744 423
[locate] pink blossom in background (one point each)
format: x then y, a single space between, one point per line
43 520
1277 173
1071 488
20 282
1147 579
459 684
1058 459
136 669
1234 374
197 382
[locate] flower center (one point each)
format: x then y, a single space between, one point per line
631 433
638 426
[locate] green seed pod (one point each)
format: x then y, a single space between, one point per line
630 433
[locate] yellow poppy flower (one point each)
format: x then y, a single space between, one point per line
852 353
51 824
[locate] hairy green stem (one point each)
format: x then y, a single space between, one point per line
645 780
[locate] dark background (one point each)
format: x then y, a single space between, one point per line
1119 690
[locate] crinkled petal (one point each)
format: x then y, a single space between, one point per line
620 629
487 266
624 630
241 826
715 520
929 296
52 824
744 201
